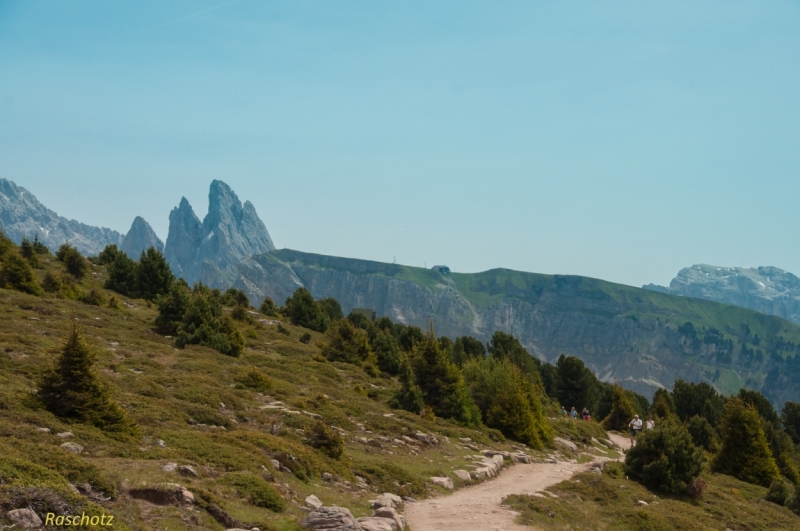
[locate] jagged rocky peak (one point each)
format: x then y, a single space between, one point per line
229 233
140 238
22 215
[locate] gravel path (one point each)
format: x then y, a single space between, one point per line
478 508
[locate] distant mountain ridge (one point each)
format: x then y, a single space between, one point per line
22 215
765 289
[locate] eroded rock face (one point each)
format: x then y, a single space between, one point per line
22 215
212 249
140 237
24 519
164 494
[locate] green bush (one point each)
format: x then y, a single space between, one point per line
305 338
28 252
95 297
344 342
326 440
76 264
409 395
268 307
172 308
16 273
665 458
258 491
703 434
779 492
622 410
303 310
744 452
204 324
121 273
387 351
52 282
254 379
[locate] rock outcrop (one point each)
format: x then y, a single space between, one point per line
140 237
764 289
210 251
22 215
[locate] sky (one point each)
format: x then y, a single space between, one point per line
617 140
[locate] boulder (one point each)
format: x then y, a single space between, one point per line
386 500
43 430
72 447
313 502
331 519
391 514
164 494
170 467
375 523
569 444
447 483
65 435
24 518
186 470
463 475
326 476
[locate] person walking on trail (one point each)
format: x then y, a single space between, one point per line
563 411
650 423
573 413
585 414
636 427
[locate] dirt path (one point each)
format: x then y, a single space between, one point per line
478 508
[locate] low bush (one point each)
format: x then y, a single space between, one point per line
258 491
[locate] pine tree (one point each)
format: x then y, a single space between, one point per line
16 273
663 406
387 351
121 274
577 385
622 410
38 246
268 307
665 458
153 275
409 396
75 263
29 253
790 420
703 433
304 311
73 390
744 451
344 342
172 307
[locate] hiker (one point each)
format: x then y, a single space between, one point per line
636 427
563 411
650 423
585 414
573 413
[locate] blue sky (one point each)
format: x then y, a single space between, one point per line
619 140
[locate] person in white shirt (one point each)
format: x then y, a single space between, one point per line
650 424
636 427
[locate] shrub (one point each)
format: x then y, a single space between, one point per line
172 307
779 492
52 282
16 273
744 451
203 324
283 330
305 338
109 254
696 488
622 410
303 310
665 459
326 440
113 303
76 264
38 246
73 390
793 502
95 297
663 406
268 307
254 379
331 308
409 395
257 490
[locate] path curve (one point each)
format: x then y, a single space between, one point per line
478 508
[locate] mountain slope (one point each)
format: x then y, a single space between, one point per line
21 215
624 334
765 289
140 237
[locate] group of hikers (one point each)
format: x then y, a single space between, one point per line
635 425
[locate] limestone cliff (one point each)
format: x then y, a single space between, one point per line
624 334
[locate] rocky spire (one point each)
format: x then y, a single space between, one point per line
212 249
139 238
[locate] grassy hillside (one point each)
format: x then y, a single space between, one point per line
197 407
594 502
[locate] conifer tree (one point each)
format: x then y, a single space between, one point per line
121 274
790 420
153 275
16 273
744 452
409 396
76 264
172 307
344 342
622 410
38 246
577 385
304 311
268 307
663 406
387 351
29 253
703 433
109 254
73 390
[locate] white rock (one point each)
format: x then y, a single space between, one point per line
375 523
170 467
463 475
447 483
331 518
389 513
65 435
313 502
72 447
569 444
24 518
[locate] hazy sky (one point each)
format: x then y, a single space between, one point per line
619 140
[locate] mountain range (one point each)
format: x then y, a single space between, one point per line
641 338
